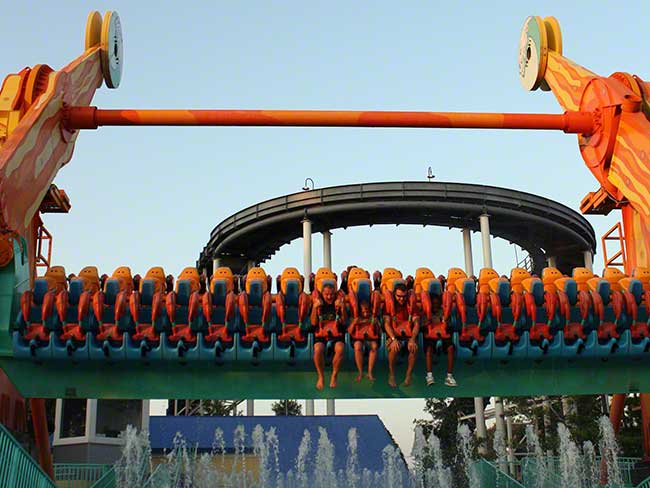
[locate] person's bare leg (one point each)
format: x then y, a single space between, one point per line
392 355
450 359
358 359
409 370
336 362
319 362
372 357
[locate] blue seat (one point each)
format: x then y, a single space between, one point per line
219 344
183 343
544 322
504 347
255 344
469 342
30 337
637 313
292 344
75 347
146 342
103 348
607 340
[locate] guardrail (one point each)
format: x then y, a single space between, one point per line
18 469
76 475
491 475
108 480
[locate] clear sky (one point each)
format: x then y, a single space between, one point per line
150 196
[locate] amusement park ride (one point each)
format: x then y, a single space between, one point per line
67 342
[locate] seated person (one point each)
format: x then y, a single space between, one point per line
365 320
430 346
399 314
326 308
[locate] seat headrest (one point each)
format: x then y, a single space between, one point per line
190 275
124 277
290 275
256 274
225 275
156 275
432 285
56 278
594 283
75 291
388 277
517 276
323 276
454 274
549 276
90 278
643 275
614 276
484 277
582 276
603 288
422 275
494 284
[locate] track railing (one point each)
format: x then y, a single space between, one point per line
17 468
78 475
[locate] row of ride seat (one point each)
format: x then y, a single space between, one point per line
489 317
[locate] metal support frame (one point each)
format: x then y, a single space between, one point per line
615 233
43 236
481 431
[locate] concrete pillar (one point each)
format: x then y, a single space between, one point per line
500 425
484 220
309 408
306 248
327 249
331 408
589 260
467 249
250 408
481 431
551 261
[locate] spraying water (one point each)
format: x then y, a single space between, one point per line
539 466
609 452
466 457
570 459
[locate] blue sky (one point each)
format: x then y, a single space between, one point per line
150 196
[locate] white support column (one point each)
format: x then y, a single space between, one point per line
551 261
481 431
331 407
500 426
327 249
91 418
511 451
216 262
250 264
306 248
589 260
309 408
484 220
467 249
250 408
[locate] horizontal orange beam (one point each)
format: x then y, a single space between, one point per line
92 117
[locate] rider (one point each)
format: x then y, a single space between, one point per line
430 347
401 313
364 320
326 308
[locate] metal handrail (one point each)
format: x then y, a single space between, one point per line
73 475
18 469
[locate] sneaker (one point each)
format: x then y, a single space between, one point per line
450 380
430 380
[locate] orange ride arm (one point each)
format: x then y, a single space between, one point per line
481 305
427 308
84 305
157 303
194 306
567 80
550 303
134 305
170 305
84 117
35 151
231 302
517 305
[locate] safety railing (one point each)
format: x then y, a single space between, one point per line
159 477
108 480
644 484
18 469
78 475
491 475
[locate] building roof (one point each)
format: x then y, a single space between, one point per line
372 435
